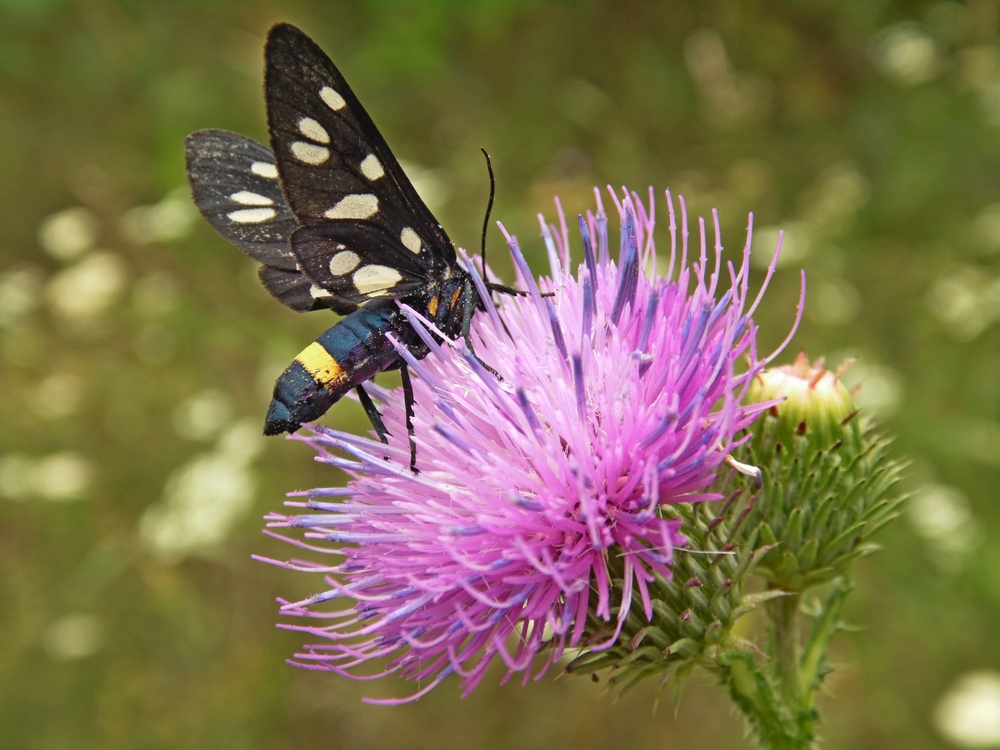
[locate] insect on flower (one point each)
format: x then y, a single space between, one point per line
539 508
336 224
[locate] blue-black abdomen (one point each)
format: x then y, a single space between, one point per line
341 358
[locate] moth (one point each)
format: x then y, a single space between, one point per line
335 224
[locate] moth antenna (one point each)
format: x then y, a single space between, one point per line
489 208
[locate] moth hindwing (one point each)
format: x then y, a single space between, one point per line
236 187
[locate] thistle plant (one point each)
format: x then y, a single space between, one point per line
634 482
826 488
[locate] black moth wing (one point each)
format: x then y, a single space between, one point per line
236 188
365 231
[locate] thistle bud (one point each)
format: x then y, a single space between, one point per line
814 403
826 477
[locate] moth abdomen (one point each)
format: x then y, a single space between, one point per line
342 357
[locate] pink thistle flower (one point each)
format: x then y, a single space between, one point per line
537 493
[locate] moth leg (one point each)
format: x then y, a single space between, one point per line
372 411
404 373
468 309
504 289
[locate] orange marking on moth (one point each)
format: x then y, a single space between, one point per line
318 362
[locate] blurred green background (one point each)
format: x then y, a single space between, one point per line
137 349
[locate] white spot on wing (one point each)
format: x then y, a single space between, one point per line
362 206
369 279
332 99
313 130
318 292
252 215
309 153
263 169
371 167
411 240
247 198
343 263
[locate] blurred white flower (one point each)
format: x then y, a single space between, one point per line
87 290
74 637
968 714
170 219
68 234
941 515
62 477
20 293
905 54
966 301
201 416
206 497
59 477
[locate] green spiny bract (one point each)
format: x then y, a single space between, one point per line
694 612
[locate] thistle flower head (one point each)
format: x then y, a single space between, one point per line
538 493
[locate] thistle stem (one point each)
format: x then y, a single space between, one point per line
814 656
787 648
778 699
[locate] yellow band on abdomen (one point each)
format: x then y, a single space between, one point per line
320 364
